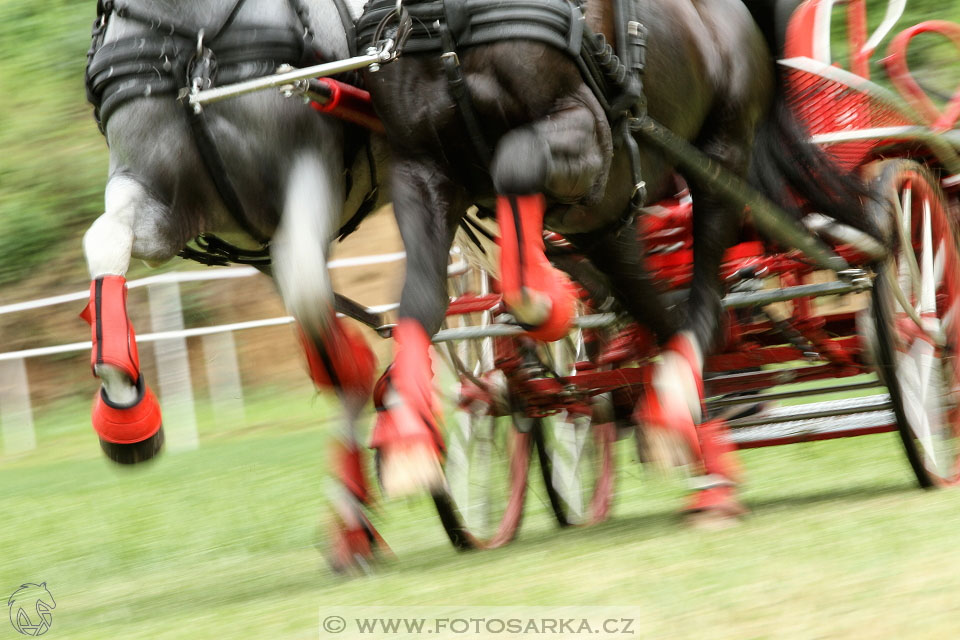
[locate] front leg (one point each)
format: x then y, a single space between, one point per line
565 156
427 206
126 414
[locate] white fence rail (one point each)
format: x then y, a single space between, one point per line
174 384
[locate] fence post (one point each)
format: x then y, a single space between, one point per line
174 383
223 379
16 415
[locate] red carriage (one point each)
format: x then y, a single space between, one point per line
882 360
889 351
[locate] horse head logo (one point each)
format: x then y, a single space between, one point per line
30 608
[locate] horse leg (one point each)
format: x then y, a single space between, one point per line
338 357
675 395
561 156
126 414
427 206
353 538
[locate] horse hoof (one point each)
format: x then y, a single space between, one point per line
712 520
410 469
715 509
354 544
135 452
129 435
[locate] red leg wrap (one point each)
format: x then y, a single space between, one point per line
114 342
130 424
342 360
413 418
523 265
348 463
719 452
670 411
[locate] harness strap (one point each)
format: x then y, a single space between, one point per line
217 170
461 95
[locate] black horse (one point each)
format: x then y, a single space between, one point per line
515 83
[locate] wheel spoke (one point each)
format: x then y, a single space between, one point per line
909 270
928 278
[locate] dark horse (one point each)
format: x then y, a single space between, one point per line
557 162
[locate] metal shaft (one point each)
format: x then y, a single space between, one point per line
217 94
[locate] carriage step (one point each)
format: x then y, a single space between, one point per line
815 421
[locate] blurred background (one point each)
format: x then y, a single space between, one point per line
220 541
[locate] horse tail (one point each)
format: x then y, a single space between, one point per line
786 166
796 173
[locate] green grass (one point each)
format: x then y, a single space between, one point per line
220 542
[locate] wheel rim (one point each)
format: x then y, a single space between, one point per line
487 460
575 452
924 274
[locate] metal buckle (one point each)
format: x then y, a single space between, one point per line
451 55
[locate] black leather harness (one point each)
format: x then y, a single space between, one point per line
173 59
446 26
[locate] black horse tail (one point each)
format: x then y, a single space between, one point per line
796 173
786 166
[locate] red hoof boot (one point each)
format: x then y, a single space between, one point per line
340 360
671 405
714 507
540 297
353 541
129 434
406 434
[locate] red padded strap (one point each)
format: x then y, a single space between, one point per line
114 342
523 263
341 359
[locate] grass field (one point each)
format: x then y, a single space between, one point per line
219 543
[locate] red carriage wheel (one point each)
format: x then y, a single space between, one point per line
575 448
488 456
486 469
915 308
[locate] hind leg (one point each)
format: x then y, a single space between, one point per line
675 394
126 414
562 156
338 357
352 539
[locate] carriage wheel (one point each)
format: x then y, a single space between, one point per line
488 457
916 300
575 449
486 468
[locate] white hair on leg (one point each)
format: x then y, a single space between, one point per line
311 217
673 374
108 242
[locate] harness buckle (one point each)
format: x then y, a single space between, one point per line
452 56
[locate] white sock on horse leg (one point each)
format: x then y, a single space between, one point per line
108 242
117 385
674 373
311 216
